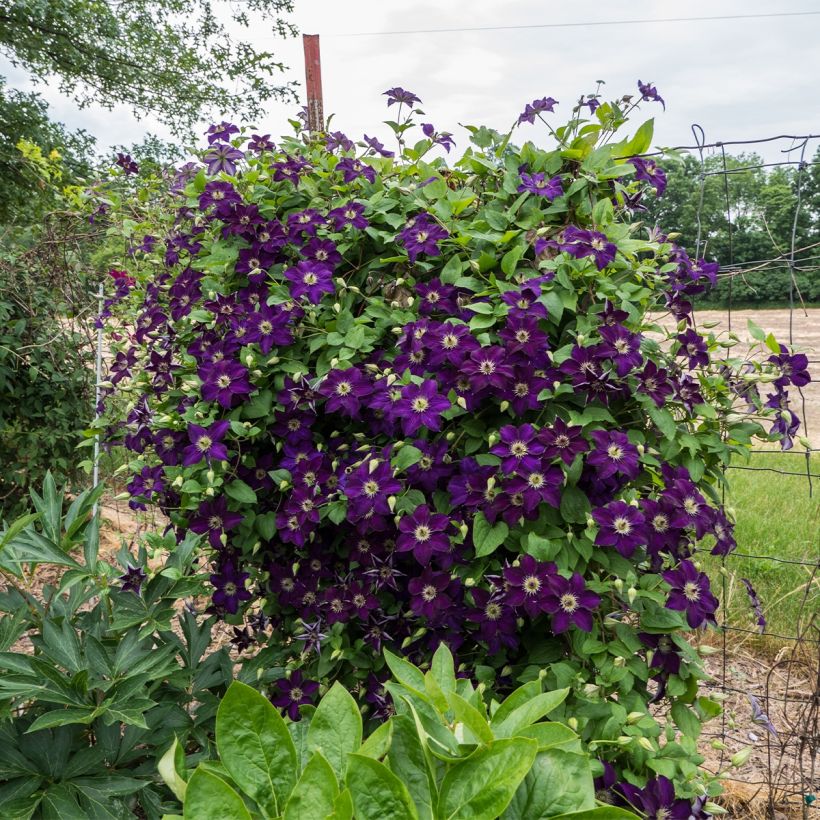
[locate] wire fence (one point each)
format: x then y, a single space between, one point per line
787 686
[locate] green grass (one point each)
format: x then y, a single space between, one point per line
775 518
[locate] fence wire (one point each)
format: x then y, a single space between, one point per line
787 687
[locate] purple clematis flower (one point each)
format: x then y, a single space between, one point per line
496 620
206 443
126 162
377 147
215 519
794 368
400 96
656 799
621 346
443 138
294 692
650 94
349 215
220 131
519 448
310 278
541 186
224 382
345 390
621 526
229 585
562 441
222 157
132 579
422 235
654 381
649 171
536 107
431 593
351 169
570 603
613 453
580 243
488 367
421 405
665 655
528 585
423 533
693 345
368 488
691 594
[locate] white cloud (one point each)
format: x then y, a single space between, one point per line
740 79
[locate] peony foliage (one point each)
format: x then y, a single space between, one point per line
408 400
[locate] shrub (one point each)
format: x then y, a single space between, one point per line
410 403
95 681
441 755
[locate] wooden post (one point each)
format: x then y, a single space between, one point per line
313 83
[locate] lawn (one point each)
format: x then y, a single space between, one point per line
778 519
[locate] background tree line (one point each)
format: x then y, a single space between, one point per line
762 204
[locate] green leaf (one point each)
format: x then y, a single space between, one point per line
413 764
255 747
529 712
488 537
314 795
470 716
336 728
452 270
343 807
63 717
209 797
558 782
574 505
641 141
406 457
171 768
663 420
483 785
756 331
404 671
511 258
552 735
16 527
376 792
378 744
239 491
685 719
443 669
600 813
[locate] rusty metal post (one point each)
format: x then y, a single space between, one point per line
313 82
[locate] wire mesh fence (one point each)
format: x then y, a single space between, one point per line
780 693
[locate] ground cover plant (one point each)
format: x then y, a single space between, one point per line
410 402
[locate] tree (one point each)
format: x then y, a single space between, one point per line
24 116
173 58
744 217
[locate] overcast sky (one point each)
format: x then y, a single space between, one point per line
740 79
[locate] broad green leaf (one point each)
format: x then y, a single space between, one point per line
528 713
413 764
255 747
239 491
685 719
315 793
378 744
600 813
558 782
519 697
443 668
343 807
406 457
574 505
483 785
16 527
470 716
336 728
209 797
552 735
488 537
171 768
63 717
376 792
404 671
